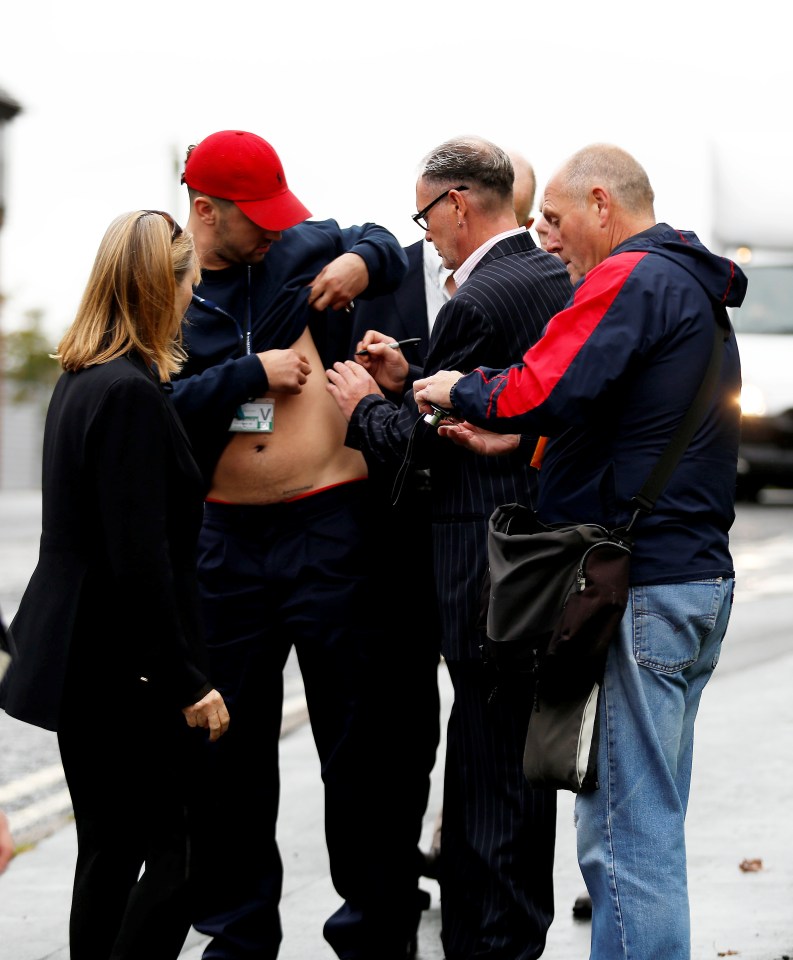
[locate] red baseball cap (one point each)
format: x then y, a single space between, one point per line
241 167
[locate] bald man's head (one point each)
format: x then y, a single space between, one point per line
523 188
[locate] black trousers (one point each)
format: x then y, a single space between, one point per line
304 575
128 762
497 834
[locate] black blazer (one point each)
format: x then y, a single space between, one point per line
114 593
492 319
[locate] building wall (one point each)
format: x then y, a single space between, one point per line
21 437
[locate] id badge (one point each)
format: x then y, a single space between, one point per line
255 416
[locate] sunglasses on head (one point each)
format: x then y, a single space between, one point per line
176 230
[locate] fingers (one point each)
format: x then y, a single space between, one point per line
287 371
339 282
210 713
372 338
329 294
346 370
218 723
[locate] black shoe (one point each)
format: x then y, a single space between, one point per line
582 908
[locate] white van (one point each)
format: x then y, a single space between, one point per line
764 332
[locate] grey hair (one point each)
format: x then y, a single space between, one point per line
469 161
603 164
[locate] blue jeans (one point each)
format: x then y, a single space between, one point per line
630 831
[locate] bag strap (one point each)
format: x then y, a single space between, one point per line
644 500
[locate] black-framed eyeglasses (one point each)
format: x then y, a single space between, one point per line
420 218
176 230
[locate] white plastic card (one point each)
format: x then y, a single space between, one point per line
255 416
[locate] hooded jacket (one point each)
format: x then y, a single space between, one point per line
241 310
610 381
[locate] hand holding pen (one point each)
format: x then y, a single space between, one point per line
388 366
395 345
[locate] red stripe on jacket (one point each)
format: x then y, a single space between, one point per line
522 388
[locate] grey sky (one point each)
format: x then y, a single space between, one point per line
352 94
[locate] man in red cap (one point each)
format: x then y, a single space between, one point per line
245 169
287 547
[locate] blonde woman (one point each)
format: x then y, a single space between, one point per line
106 647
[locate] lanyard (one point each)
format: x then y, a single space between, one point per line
215 308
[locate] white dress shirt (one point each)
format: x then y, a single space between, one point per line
464 271
435 278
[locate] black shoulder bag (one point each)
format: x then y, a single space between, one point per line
556 597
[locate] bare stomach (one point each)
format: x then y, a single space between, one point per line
304 452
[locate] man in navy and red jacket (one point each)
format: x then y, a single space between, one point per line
608 383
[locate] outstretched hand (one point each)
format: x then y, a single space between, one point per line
348 384
478 440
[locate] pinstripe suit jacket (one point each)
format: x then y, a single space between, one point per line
492 319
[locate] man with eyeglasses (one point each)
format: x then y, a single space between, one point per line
410 312
497 836
286 550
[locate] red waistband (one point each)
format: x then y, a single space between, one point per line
300 496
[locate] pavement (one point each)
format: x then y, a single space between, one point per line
739 814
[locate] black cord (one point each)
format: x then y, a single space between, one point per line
399 481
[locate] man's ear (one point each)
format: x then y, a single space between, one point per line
457 197
603 201
206 211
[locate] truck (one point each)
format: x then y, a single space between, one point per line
753 225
